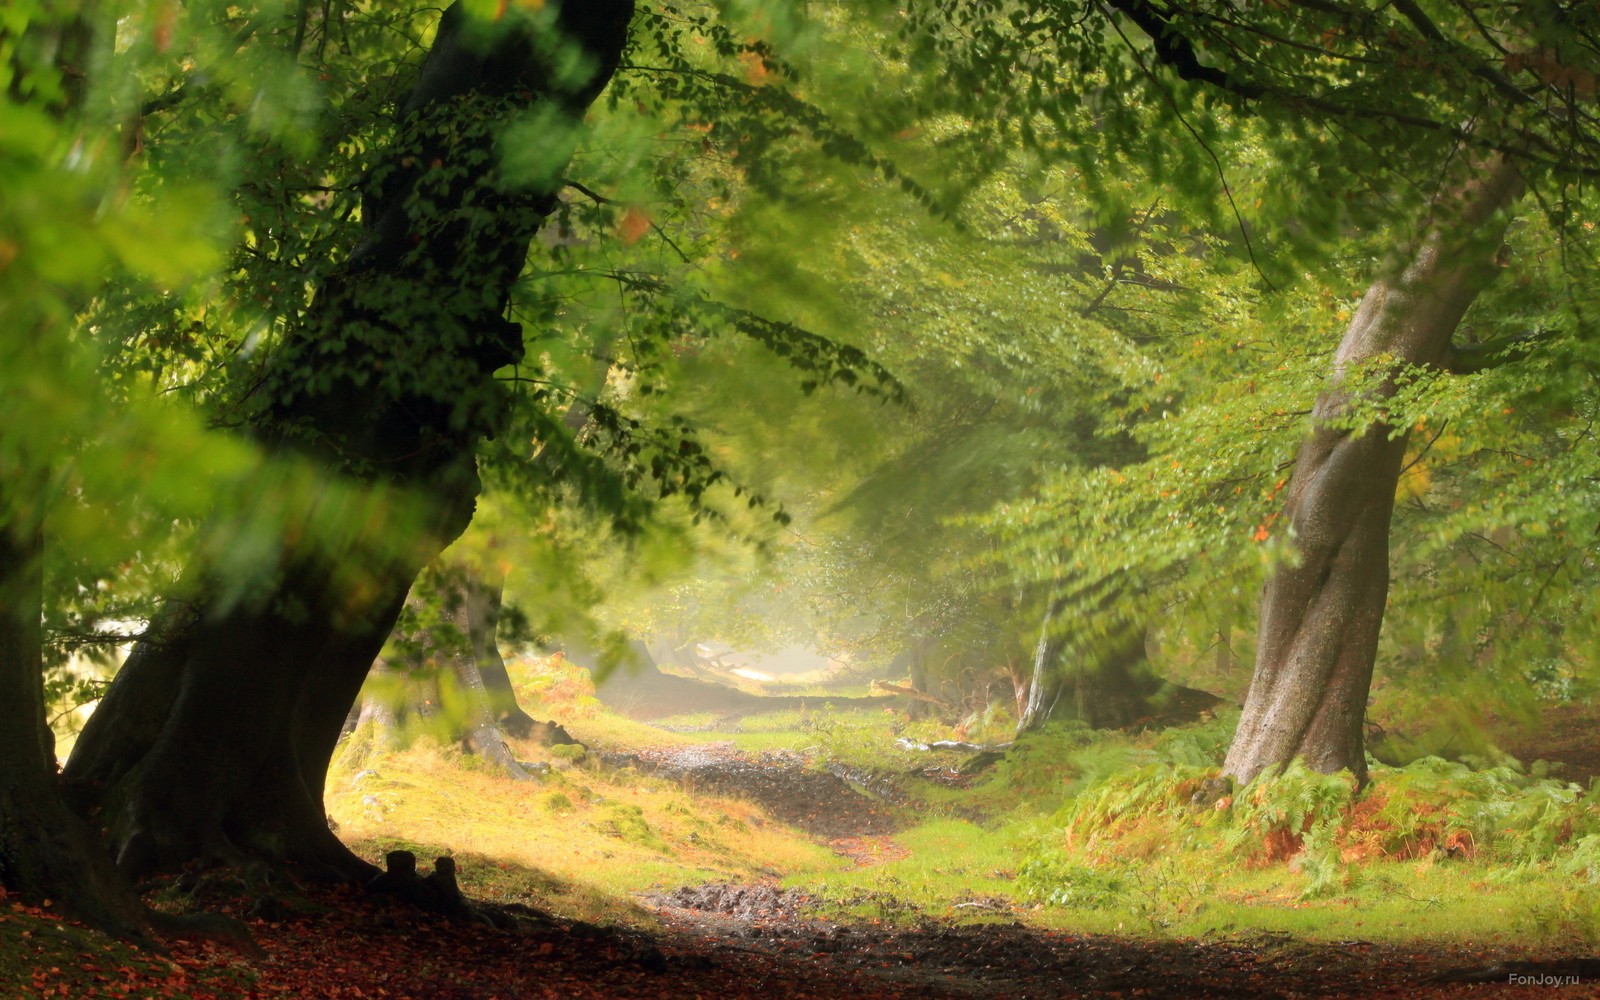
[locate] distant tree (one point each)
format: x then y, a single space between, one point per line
442 667
1305 128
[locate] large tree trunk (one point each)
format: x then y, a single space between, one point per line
1321 615
214 739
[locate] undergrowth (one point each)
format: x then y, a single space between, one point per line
1072 828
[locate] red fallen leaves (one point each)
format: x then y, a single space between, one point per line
361 948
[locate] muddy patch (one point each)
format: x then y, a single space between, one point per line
742 902
830 804
1003 958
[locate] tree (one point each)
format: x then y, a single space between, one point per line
358 344
387 380
72 452
1417 121
1321 615
442 663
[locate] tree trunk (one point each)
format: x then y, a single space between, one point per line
484 592
1321 615
438 665
913 662
214 739
440 662
46 851
1109 686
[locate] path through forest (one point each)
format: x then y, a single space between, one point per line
730 941
856 814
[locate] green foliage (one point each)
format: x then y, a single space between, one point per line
1290 805
1054 880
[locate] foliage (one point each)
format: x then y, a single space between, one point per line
555 685
1321 824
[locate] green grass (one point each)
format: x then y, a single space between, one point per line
1074 829
603 833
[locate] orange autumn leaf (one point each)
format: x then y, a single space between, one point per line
635 223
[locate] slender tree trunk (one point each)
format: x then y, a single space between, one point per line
445 665
1106 685
485 590
482 729
449 653
1321 615
213 741
46 851
1106 681
1223 662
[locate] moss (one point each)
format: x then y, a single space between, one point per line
627 823
557 803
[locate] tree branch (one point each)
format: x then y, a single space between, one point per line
1469 359
1176 51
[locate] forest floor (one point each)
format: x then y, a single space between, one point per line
731 920
747 943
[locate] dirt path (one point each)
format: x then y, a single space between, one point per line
732 942
831 803
353 946
730 925
1007 959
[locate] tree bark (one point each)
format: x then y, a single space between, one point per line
441 669
46 851
1109 686
214 739
1105 682
1322 614
484 592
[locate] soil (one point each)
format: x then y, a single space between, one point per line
1008 959
833 802
727 943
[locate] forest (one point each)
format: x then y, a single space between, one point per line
759 498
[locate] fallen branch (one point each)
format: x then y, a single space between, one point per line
910 744
910 692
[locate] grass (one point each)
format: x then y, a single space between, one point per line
595 835
1073 830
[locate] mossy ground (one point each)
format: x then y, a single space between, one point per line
1075 833
1073 830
